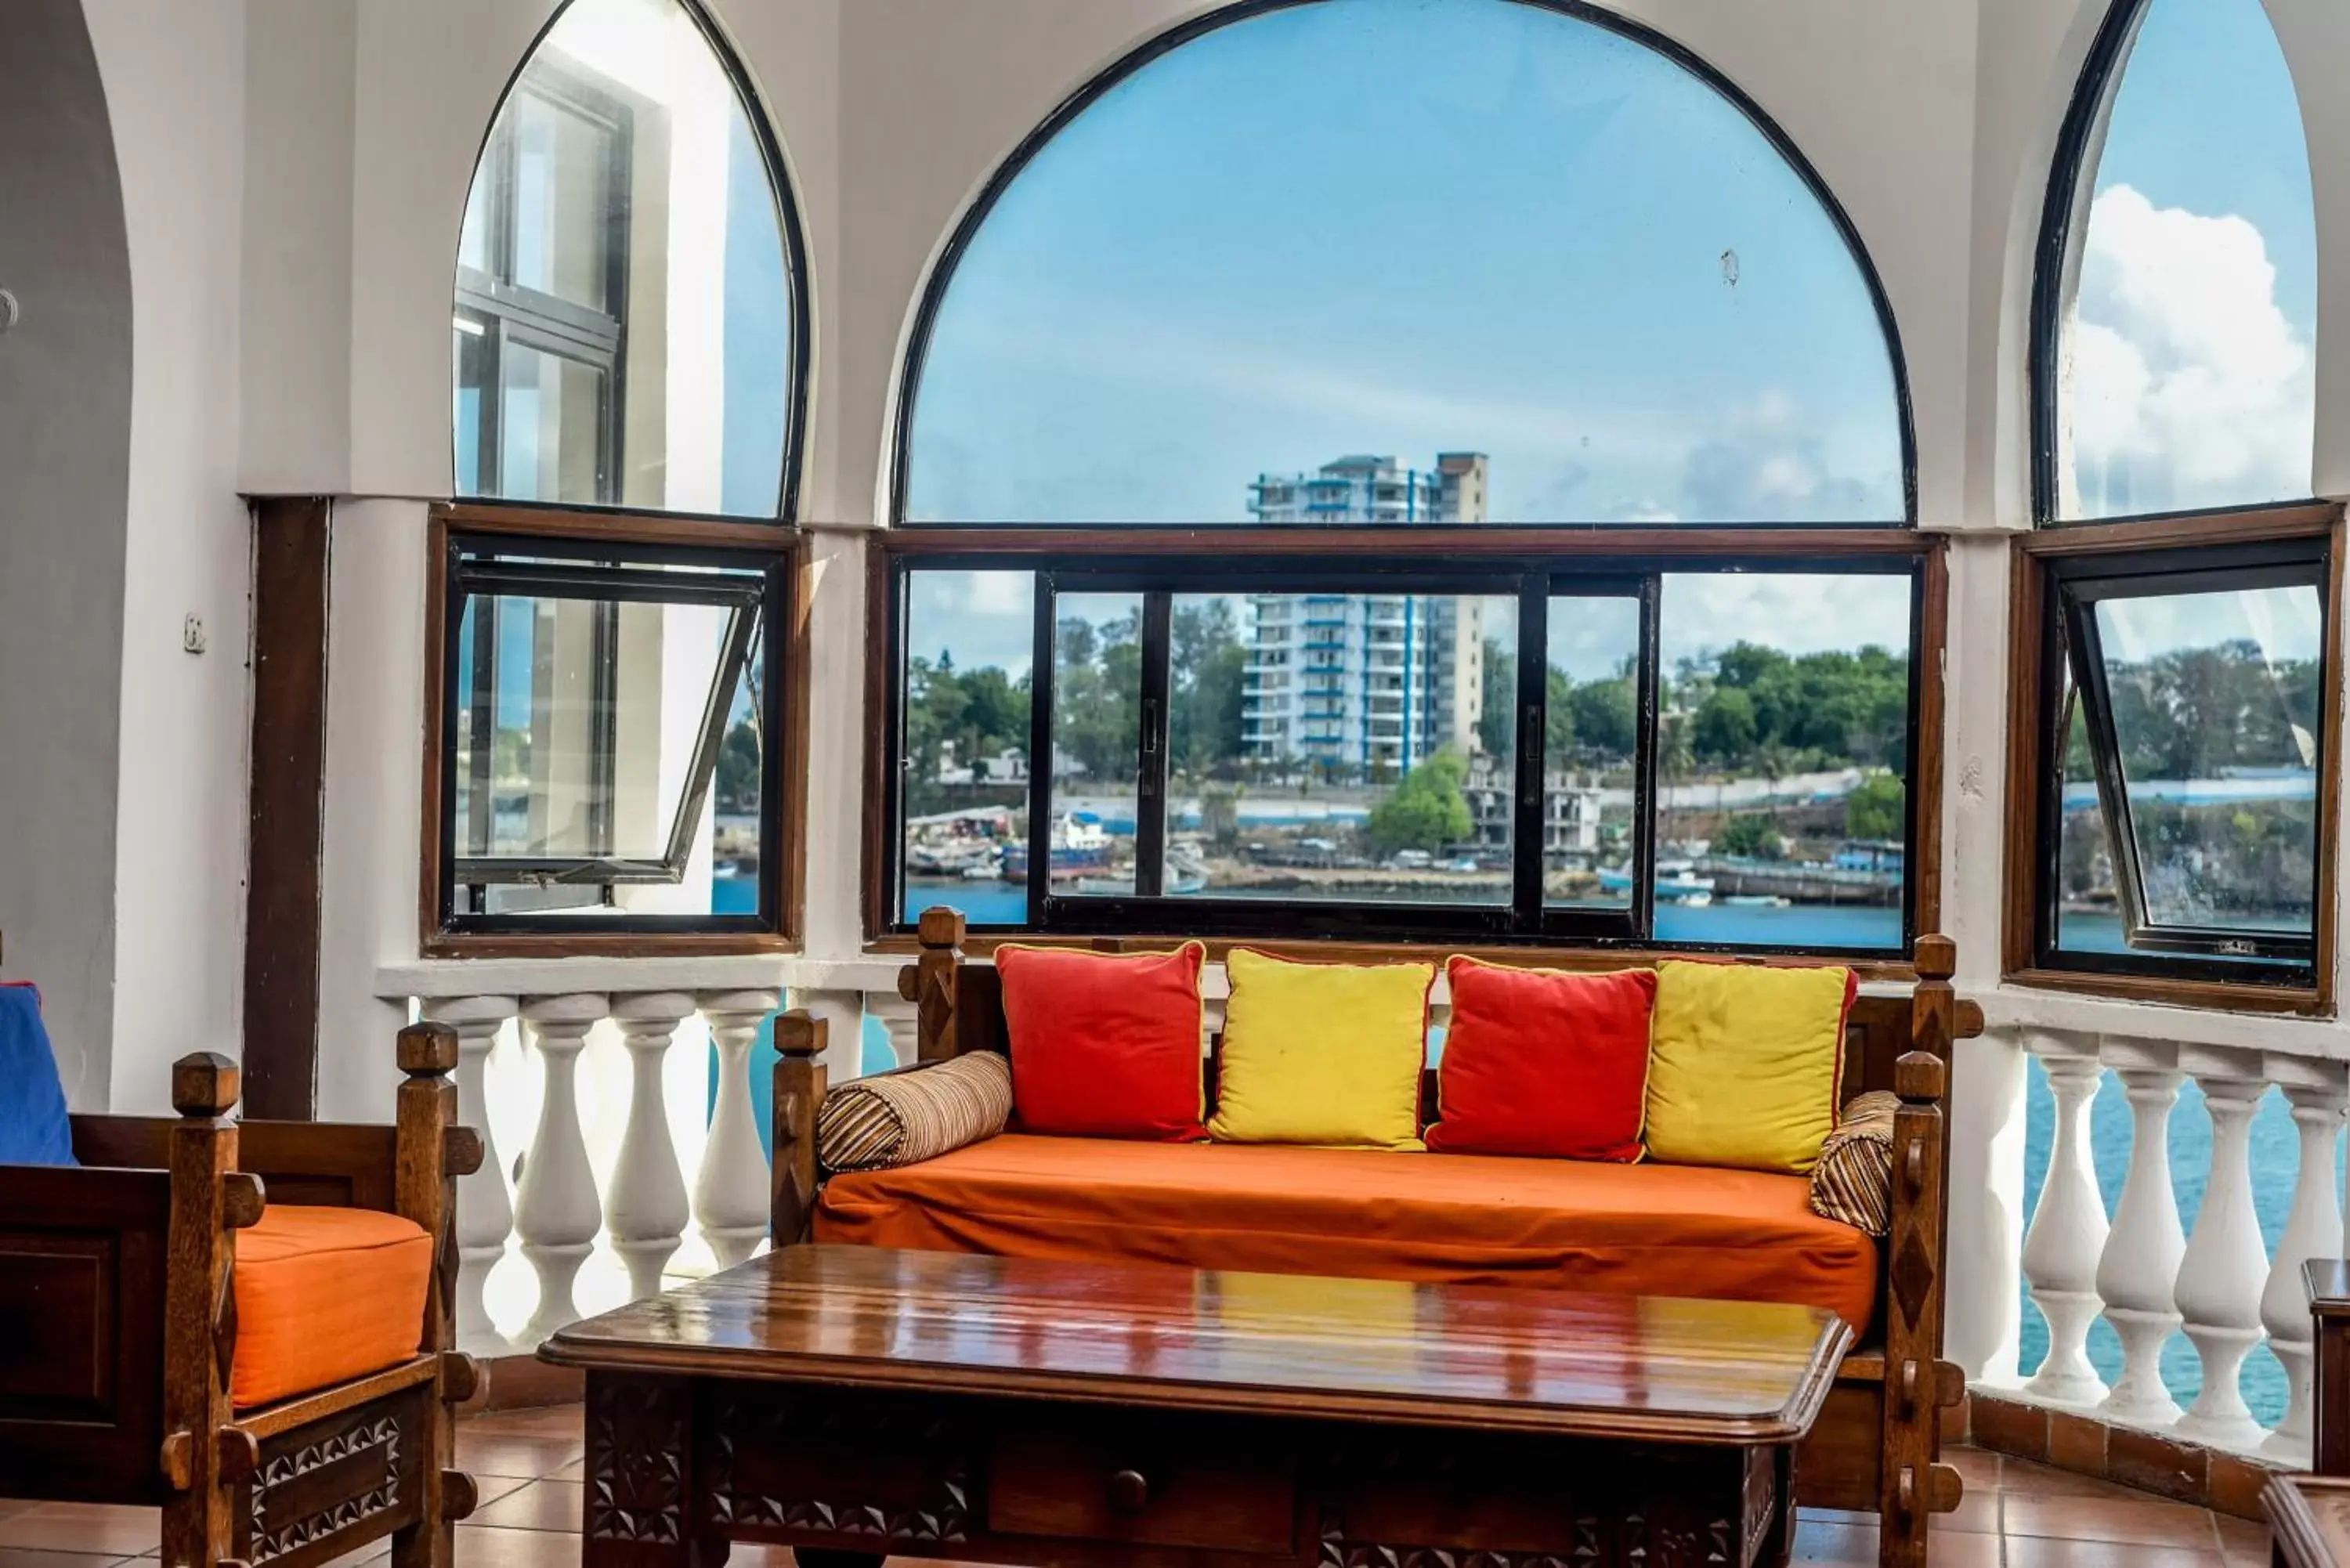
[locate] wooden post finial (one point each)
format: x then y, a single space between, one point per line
204 1084
800 1033
428 1050
939 927
1937 958
1919 1076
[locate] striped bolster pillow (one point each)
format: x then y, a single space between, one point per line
1854 1178
900 1118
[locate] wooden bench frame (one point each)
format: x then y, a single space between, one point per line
1875 1448
118 1326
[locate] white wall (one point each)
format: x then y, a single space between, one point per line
65 453
174 76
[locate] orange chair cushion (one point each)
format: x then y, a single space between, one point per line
1635 1229
324 1296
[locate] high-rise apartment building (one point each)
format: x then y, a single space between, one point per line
1361 681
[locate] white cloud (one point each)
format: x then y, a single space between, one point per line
2187 384
1797 613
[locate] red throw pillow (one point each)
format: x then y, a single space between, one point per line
1104 1044
1541 1062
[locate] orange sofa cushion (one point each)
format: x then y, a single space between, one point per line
1635 1229
324 1296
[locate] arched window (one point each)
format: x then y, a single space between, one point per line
2176 733
628 324
2176 330
1381 292
631 360
1522 232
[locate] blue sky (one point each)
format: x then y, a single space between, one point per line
1407 227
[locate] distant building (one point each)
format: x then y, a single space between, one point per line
1358 680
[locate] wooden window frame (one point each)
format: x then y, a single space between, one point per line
782 550
2041 562
1181 555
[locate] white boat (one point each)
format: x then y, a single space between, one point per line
1677 883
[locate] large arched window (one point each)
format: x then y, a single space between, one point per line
1357 302
1300 231
2176 344
2176 743
627 327
630 356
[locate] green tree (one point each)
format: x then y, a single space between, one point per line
1726 726
1606 715
1208 667
738 768
1496 719
1426 810
1751 835
1877 809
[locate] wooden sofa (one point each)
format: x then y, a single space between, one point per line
1877 1445
119 1327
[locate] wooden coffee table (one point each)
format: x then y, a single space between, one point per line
851 1402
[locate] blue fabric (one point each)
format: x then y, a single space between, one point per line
33 1125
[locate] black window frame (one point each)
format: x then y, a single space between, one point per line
478 560
1532 579
2070 652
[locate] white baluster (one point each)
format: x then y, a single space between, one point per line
557 1211
648 1212
2140 1268
730 1192
484 1213
2062 1249
903 1022
2226 1263
843 1012
2313 1229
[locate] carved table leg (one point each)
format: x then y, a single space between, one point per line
1778 1542
639 1475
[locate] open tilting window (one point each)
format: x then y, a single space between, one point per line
606 717
2185 699
1613 753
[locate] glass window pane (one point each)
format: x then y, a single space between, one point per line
2088 910
1783 817
581 728
624 208
2185 370
1338 747
971 639
2216 700
1590 750
1097 744
1444 231
550 417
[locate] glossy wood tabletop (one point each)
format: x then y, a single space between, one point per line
1375 1350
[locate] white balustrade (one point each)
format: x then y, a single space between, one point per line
730 1193
2138 1271
903 1022
2222 1273
648 1210
649 1198
2313 1229
484 1213
2062 1249
557 1210
2222 1286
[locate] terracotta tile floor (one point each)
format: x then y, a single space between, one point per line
2016 1515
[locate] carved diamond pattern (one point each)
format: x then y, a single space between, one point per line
635 1441
267 1543
1913 1277
749 1425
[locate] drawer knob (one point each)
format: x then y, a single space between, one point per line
1130 1492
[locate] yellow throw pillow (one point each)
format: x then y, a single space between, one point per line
1322 1053
1745 1063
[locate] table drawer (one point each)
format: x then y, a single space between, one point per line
1163 1483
